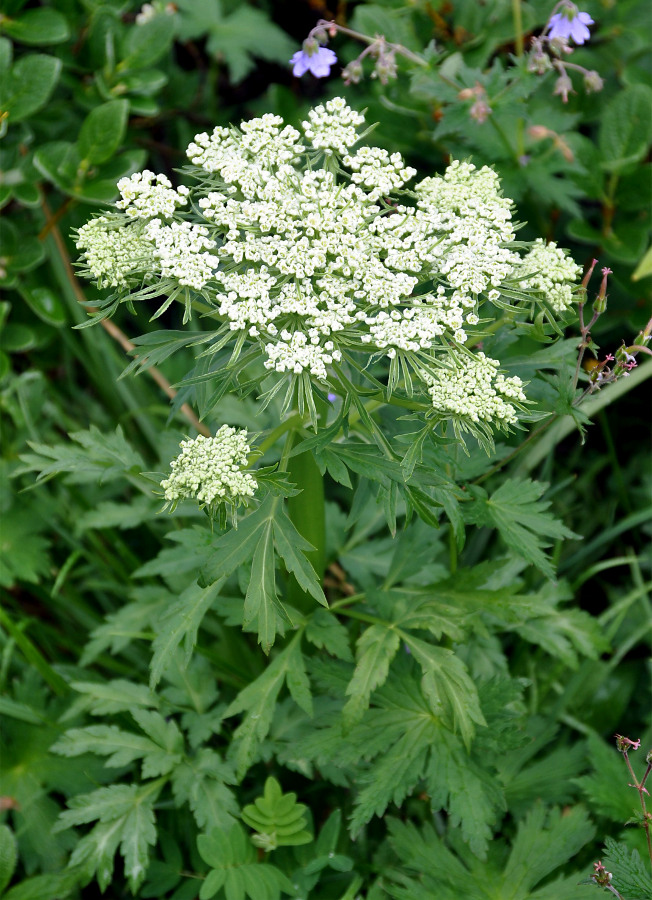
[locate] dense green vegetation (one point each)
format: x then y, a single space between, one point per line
396 662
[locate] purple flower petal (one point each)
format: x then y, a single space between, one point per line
559 27
318 62
300 63
579 31
566 26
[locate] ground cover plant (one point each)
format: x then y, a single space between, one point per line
324 531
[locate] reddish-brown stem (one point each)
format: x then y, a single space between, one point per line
640 787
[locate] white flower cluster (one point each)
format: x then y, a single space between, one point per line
325 262
555 273
332 127
146 195
376 170
299 242
211 470
465 206
234 155
116 256
294 353
477 391
181 250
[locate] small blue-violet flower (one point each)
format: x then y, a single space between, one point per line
313 58
570 24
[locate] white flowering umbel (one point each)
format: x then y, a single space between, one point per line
320 256
212 470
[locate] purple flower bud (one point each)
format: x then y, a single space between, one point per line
331 397
313 58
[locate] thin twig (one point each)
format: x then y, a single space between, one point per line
110 327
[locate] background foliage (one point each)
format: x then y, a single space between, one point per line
148 744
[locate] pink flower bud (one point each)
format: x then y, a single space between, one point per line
624 743
587 276
480 110
538 132
600 304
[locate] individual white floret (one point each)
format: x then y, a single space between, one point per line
556 273
475 390
146 195
212 469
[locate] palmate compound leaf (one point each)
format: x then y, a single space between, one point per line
125 819
519 514
235 870
606 787
430 870
277 819
258 702
260 536
445 683
545 840
326 632
181 623
376 648
160 748
399 744
201 781
630 876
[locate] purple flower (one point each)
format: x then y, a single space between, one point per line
315 59
570 24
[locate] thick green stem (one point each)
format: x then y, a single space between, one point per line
518 26
306 510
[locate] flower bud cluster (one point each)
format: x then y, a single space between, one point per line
211 470
477 391
553 272
115 256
